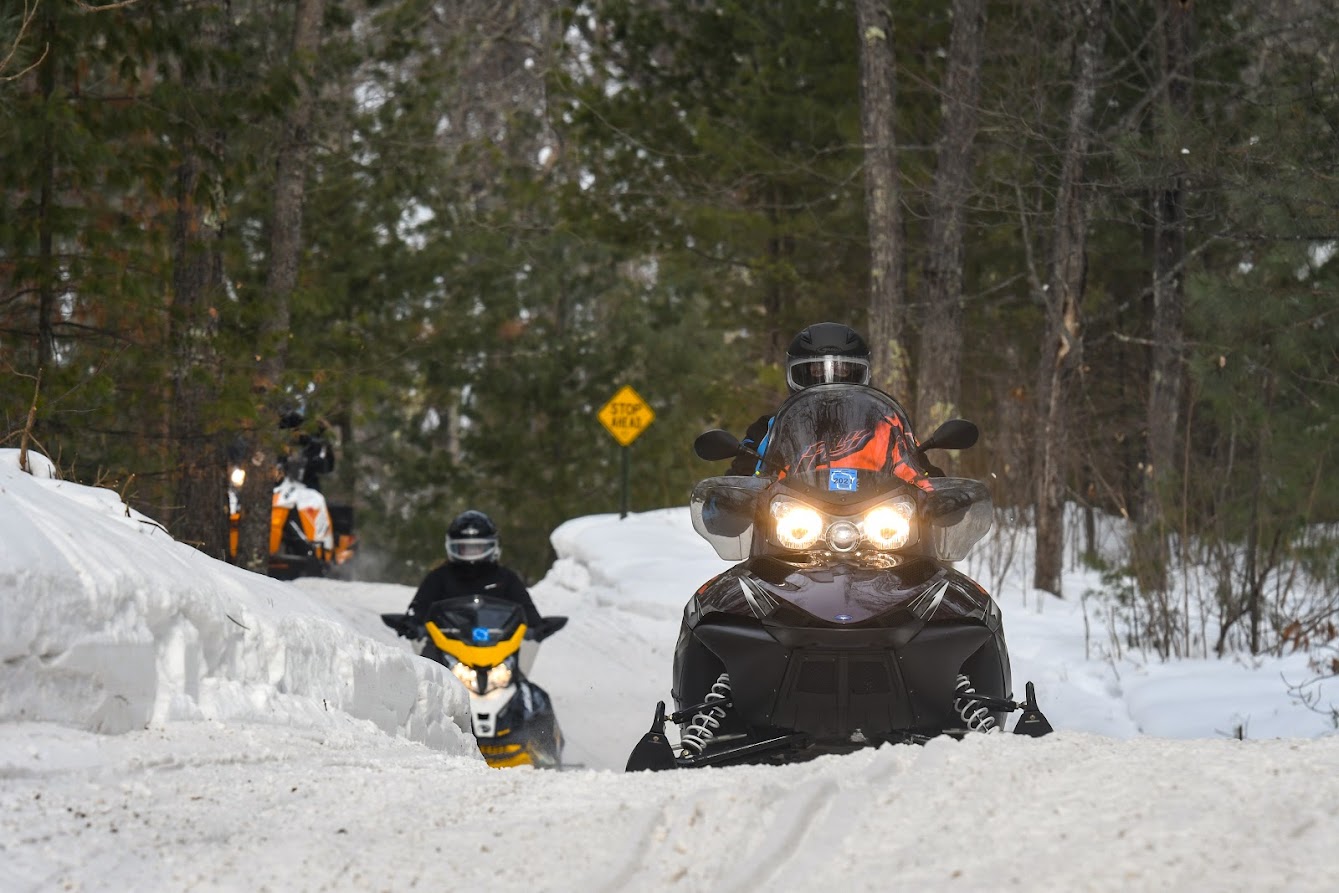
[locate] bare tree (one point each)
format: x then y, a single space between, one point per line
938 377
1062 295
9 53
887 290
1176 44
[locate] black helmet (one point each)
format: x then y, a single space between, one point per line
472 538
824 353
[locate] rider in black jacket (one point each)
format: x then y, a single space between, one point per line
471 568
821 354
825 353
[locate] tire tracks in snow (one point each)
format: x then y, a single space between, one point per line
812 824
753 844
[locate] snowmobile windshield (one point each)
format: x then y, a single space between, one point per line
852 480
843 443
478 620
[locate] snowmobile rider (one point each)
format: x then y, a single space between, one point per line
828 353
306 502
471 568
317 453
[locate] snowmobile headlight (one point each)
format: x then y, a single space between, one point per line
499 676
843 536
797 526
468 675
888 526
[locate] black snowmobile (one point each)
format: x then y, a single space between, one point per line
845 624
486 644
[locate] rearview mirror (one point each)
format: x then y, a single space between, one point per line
715 445
955 434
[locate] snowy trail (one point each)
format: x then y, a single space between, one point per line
307 748
206 807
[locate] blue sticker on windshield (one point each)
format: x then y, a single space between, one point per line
843 479
479 634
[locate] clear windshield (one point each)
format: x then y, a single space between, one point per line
843 443
843 450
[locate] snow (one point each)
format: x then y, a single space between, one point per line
169 722
108 625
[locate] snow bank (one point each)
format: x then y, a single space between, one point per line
107 624
617 565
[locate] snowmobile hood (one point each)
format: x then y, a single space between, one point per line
847 595
476 655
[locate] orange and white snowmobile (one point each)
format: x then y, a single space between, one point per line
308 536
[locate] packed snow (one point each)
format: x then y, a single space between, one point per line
170 722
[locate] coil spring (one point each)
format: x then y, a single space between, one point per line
702 728
973 715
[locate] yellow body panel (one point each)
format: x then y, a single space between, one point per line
476 655
504 756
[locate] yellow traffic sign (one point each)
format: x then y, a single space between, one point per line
626 415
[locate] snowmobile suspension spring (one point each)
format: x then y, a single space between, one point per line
702 728
976 717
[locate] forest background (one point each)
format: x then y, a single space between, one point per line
1102 229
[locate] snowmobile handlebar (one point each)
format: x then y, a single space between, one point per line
405 626
546 627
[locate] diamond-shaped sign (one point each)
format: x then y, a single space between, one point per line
626 415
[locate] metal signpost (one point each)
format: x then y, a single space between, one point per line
625 416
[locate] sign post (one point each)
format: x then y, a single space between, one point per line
625 416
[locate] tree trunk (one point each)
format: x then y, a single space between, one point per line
938 378
1256 570
1066 270
280 280
199 514
46 285
774 303
1169 249
887 293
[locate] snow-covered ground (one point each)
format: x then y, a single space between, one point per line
168 722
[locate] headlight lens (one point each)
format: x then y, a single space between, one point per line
888 526
797 526
466 674
843 536
497 677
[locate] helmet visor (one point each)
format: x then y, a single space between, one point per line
482 549
804 372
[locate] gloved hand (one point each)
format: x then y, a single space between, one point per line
407 626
